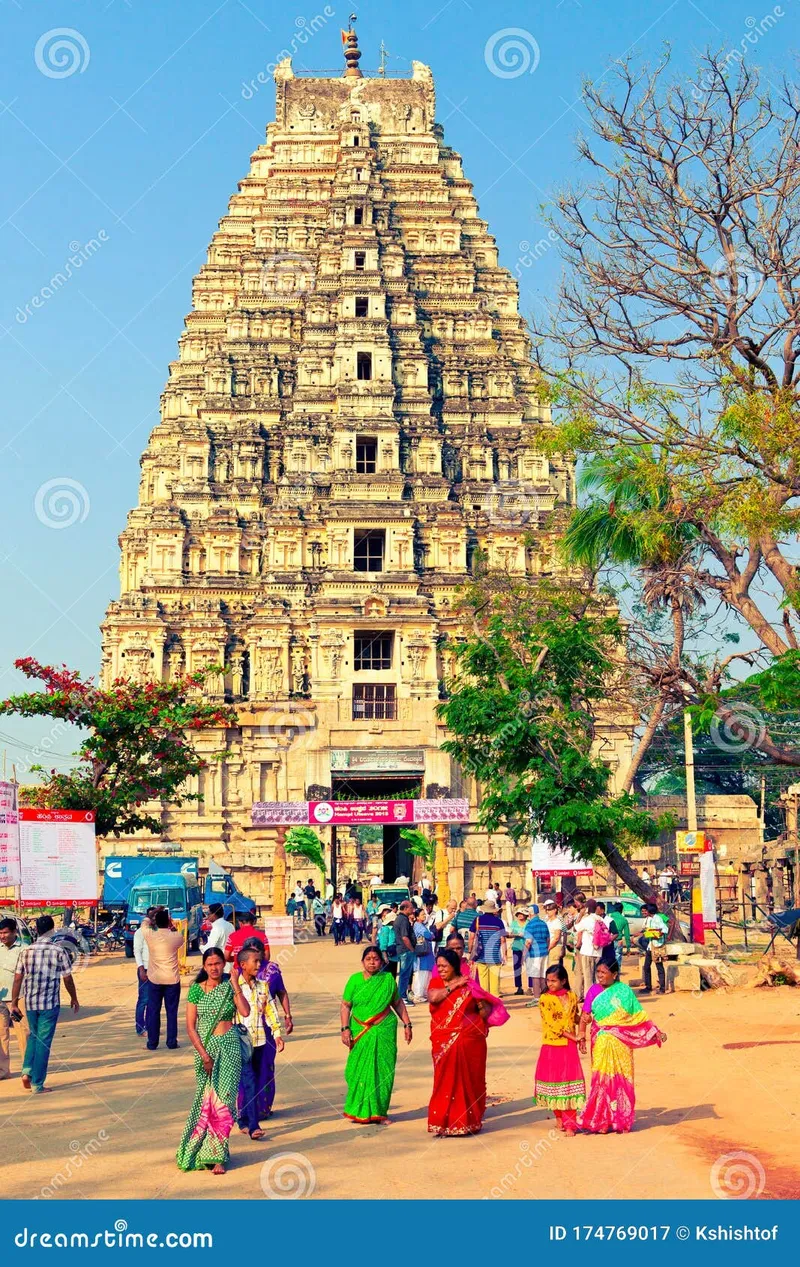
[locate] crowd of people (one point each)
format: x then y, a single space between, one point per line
417 953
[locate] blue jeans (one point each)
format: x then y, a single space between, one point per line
141 1005
40 1040
405 969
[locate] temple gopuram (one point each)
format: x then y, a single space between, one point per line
351 415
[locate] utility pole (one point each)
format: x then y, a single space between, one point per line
691 798
384 52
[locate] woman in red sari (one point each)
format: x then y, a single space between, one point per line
458 1039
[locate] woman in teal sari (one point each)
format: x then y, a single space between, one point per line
370 1007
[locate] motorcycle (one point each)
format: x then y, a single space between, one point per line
111 936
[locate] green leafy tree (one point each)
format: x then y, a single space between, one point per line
305 843
138 748
418 844
534 680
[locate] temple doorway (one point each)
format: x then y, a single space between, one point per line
375 847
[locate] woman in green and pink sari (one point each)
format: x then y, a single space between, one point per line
618 1026
370 1008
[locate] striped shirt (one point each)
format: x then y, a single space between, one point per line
42 967
464 920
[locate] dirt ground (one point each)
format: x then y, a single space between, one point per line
725 1082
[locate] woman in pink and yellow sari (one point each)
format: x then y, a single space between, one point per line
618 1026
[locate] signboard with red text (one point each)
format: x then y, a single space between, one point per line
547 861
9 836
58 857
353 813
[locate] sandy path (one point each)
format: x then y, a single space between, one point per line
726 1081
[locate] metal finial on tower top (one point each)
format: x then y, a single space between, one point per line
352 53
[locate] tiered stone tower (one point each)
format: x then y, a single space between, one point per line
353 412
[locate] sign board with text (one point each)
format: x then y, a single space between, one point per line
9 836
279 930
548 861
58 857
351 813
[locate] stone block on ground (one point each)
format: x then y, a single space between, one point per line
683 977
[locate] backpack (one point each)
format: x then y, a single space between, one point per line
601 935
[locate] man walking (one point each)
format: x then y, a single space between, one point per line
586 953
142 956
10 950
404 940
537 941
466 917
221 928
555 925
164 944
487 941
40 970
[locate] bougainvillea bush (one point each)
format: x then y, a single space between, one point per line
138 748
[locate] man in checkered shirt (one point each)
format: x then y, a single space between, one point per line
42 967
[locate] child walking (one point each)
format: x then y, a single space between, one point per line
560 1085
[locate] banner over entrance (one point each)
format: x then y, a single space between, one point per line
353 813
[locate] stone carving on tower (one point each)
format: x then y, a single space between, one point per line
352 412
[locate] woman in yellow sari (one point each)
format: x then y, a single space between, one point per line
618 1026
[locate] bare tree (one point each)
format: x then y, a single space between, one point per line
676 331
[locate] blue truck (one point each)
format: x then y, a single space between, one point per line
132 883
121 873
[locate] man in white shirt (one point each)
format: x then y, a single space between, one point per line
10 950
300 899
555 925
586 953
221 928
142 956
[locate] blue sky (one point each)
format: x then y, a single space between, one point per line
128 162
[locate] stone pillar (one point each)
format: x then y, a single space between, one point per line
441 864
279 873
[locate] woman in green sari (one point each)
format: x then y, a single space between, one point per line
211 1008
370 1007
